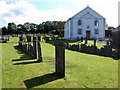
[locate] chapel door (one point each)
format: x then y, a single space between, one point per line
88 34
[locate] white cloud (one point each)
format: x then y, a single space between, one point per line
23 11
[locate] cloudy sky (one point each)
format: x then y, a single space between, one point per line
37 11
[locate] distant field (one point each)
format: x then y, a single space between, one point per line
82 70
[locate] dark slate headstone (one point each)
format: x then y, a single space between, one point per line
34 48
86 41
21 38
94 42
39 38
60 59
67 45
34 38
39 52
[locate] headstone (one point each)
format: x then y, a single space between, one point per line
94 42
28 38
107 43
34 38
39 38
60 59
21 38
34 48
67 45
86 41
39 52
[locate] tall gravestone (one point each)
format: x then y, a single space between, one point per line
60 59
34 48
39 52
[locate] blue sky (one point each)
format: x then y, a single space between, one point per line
37 11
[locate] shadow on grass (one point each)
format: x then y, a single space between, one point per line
22 63
24 56
40 80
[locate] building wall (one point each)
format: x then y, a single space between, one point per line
88 17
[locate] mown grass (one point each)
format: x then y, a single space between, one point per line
19 70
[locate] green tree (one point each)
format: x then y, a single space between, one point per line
4 30
11 28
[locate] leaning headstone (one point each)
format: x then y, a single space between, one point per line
39 52
60 59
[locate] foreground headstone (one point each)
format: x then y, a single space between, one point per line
39 52
60 59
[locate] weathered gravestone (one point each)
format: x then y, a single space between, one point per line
39 52
34 48
60 59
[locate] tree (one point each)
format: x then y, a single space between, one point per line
4 30
12 28
111 28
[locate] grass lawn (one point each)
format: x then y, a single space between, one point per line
82 70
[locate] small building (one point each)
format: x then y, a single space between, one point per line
116 38
87 24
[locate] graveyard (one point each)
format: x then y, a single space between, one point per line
26 68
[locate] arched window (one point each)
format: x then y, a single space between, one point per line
96 23
79 22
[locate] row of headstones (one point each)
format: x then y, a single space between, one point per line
4 38
36 48
104 51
